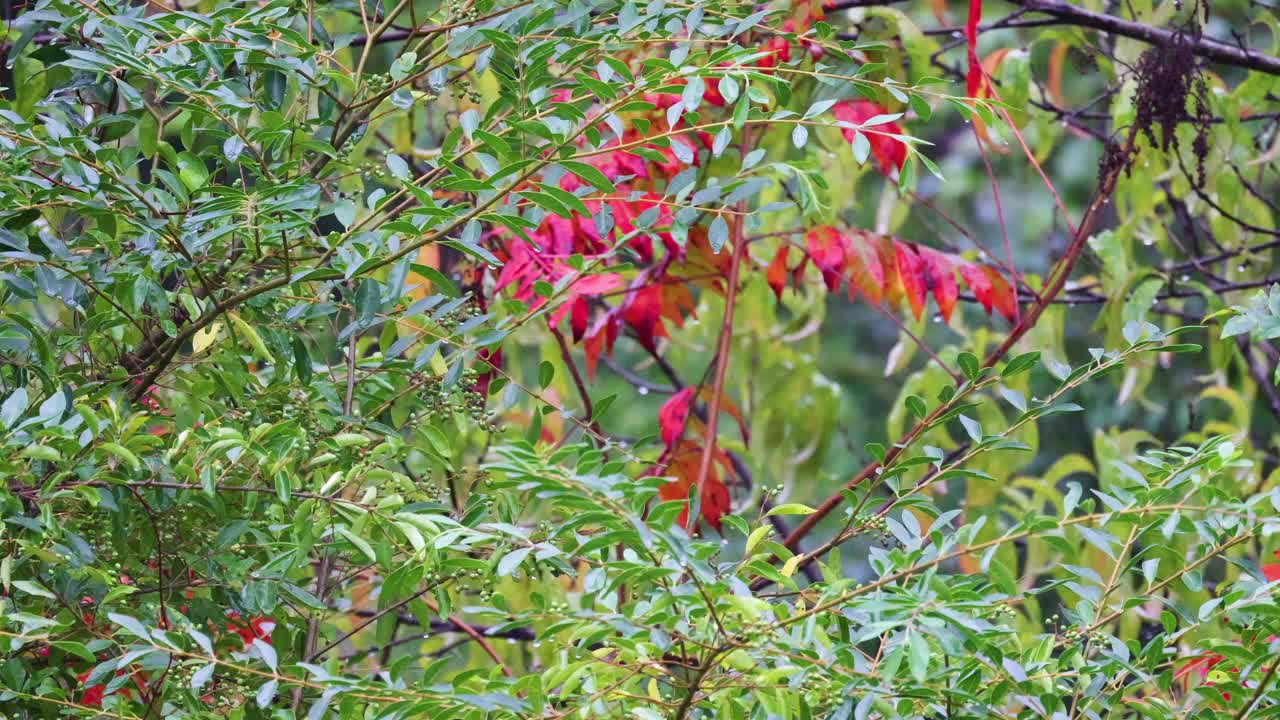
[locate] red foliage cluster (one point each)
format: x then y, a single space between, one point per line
657 295
645 304
682 459
255 628
683 463
95 694
885 270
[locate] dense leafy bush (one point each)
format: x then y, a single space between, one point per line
528 360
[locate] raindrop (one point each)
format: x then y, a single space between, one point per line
1184 278
644 391
937 318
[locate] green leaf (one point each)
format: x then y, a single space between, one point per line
192 171
719 233
398 167
511 561
246 331
790 509
590 174
361 544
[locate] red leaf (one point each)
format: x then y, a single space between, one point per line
942 279
1201 665
776 275
779 52
591 285
643 312
979 284
975 79
715 501
1271 571
672 415
93 694
712 94
257 628
889 152
581 316
911 271
599 338
827 250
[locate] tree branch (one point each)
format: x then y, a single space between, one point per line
1208 48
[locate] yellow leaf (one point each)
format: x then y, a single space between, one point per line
789 568
205 336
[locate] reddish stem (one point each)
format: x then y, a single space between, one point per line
722 355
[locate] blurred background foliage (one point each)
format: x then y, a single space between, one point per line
254 278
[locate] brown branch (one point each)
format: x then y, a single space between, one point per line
1065 13
1215 50
567 357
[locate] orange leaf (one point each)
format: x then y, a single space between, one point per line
989 66
677 301
893 286
939 8
429 256
727 406
1057 61
683 464
866 274
776 275
991 289
1006 302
